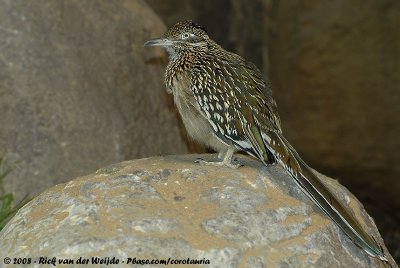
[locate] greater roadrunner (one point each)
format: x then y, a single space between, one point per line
226 104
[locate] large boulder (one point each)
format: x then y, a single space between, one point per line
169 207
78 90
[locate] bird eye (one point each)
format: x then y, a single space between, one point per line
185 36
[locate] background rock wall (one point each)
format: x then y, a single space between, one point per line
78 90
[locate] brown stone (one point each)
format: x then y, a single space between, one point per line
78 90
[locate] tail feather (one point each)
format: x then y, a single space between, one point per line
315 189
324 199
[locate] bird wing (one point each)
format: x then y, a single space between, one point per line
232 97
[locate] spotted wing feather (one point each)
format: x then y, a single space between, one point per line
235 113
234 99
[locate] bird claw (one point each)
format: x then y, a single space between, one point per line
218 163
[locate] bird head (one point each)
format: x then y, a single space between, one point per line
183 36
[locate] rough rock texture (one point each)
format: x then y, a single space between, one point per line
78 90
160 208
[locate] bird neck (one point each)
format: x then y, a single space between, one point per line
184 59
179 62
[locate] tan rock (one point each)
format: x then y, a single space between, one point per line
170 207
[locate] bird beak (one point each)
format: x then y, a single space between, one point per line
161 42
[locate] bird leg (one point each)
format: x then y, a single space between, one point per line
226 157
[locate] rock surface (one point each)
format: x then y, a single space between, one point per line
78 90
169 207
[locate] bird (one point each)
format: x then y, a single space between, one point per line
226 104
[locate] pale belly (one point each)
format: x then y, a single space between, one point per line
197 126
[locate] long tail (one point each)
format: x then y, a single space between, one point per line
315 189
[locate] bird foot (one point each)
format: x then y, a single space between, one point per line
218 163
268 164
